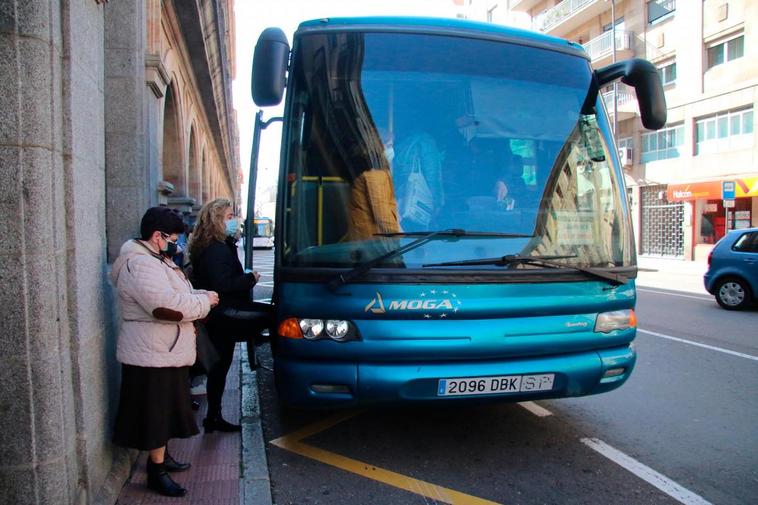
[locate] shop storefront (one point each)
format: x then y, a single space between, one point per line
661 224
711 219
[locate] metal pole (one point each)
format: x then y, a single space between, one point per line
615 83
251 183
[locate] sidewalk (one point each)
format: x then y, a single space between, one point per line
225 471
672 274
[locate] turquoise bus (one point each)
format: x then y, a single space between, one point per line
453 222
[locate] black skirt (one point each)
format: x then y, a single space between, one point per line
154 406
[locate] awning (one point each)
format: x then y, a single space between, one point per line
711 190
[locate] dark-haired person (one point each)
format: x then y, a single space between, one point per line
156 346
216 266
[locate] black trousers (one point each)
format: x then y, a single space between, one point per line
225 332
217 375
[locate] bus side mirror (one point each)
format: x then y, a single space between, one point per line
270 67
643 76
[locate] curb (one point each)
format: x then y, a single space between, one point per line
255 484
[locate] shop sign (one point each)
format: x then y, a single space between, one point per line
710 208
712 190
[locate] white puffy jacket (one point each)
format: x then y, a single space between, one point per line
158 305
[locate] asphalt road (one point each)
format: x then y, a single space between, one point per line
681 430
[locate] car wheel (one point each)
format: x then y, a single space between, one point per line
733 293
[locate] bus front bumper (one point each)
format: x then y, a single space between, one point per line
339 384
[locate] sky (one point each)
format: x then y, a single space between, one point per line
252 17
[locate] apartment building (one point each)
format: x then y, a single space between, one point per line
707 55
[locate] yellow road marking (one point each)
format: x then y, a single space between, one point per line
314 428
293 443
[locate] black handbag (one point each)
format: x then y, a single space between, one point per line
207 355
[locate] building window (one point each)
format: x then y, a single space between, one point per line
619 25
726 51
626 151
668 73
658 10
663 144
726 131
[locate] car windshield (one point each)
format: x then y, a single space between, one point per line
392 135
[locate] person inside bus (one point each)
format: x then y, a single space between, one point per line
216 266
416 165
494 171
507 174
372 205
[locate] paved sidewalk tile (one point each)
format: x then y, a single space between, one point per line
215 474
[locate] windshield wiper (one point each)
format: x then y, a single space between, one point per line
546 261
424 237
455 232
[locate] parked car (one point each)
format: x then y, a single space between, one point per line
732 275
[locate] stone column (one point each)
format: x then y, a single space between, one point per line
125 137
38 463
157 83
57 369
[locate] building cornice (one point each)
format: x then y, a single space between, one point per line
156 76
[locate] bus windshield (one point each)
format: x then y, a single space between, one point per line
460 133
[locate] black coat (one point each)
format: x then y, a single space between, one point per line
218 268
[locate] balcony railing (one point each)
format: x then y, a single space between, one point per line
602 46
626 95
558 14
523 5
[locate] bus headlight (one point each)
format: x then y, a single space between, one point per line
318 329
311 328
337 329
607 322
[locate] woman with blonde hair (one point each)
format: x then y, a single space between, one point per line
216 266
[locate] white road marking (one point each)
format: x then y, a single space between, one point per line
698 344
703 298
668 486
536 409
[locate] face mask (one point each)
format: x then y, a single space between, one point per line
389 153
170 250
232 226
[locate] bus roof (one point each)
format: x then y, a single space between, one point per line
443 26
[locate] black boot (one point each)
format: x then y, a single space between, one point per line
160 481
173 465
218 423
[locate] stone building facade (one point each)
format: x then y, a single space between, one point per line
106 108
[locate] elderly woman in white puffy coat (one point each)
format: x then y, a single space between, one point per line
156 346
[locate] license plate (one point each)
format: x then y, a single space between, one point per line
494 385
